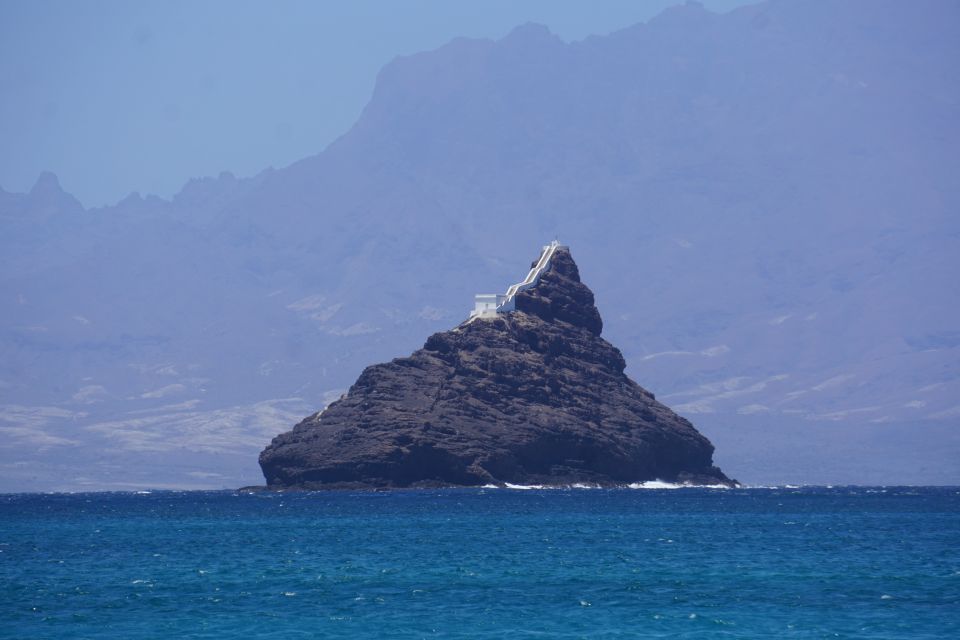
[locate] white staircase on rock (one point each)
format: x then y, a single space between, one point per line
488 305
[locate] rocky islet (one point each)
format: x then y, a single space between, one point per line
534 396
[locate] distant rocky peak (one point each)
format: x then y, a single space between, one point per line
685 9
688 15
200 190
47 198
47 182
560 296
531 32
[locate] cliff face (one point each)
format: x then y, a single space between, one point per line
535 396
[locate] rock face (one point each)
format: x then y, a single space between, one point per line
534 396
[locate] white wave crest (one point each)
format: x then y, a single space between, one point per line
660 484
649 484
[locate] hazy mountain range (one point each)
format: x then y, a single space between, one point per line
765 203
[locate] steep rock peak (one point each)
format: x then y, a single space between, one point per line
690 14
47 197
561 296
531 33
534 396
47 182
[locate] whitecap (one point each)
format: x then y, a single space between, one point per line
660 484
654 484
523 487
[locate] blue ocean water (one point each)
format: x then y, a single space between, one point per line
483 563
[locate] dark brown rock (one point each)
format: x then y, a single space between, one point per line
535 396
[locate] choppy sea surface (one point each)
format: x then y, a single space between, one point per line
483 563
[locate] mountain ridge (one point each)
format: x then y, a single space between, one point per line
777 183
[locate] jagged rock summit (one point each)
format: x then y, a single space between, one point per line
529 396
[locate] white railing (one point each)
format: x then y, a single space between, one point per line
532 278
506 302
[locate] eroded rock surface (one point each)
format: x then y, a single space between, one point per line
535 396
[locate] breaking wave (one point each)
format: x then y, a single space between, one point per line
660 484
649 484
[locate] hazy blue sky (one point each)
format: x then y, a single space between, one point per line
116 96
